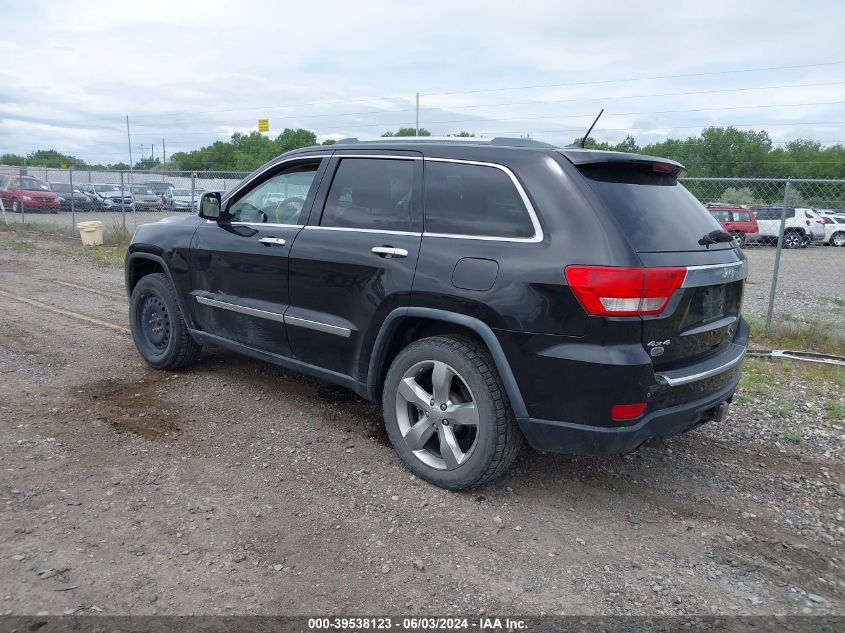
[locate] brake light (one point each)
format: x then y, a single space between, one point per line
605 291
663 168
620 412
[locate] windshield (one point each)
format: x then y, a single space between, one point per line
106 188
180 192
60 187
141 190
655 211
31 184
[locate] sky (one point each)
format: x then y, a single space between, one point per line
195 72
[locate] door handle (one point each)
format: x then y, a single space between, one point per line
272 241
389 251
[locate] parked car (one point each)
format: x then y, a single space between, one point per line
160 188
143 199
834 230
824 212
107 197
802 226
28 194
459 297
182 199
739 221
81 202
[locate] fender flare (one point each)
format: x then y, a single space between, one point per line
483 330
160 261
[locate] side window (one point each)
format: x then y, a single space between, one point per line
742 216
277 200
371 193
473 200
722 216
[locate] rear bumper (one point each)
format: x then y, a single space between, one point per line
566 437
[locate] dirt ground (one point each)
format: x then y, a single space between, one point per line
236 487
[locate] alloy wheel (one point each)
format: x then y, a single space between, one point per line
838 239
792 240
437 415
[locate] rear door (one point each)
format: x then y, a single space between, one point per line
239 273
355 261
667 226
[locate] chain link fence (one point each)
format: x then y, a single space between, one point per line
792 230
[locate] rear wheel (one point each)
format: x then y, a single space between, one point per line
158 327
739 236
793 239
447 413
838 239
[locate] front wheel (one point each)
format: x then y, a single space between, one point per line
158 326
447 413
838 239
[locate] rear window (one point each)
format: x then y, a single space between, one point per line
654 210
772 213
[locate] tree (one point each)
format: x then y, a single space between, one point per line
461 135
408 131
329 141
148 163
739 195
11 159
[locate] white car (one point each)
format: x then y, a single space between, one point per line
802 226
834 230
182 199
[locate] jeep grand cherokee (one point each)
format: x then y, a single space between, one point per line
482 291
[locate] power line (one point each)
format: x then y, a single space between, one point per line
410 97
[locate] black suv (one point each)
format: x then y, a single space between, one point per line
483 291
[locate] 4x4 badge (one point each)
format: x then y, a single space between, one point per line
656 348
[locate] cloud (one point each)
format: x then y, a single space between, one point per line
193 72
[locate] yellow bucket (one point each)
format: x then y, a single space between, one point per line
91 232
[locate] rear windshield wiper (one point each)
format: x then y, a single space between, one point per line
716 237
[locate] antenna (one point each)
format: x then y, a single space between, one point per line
584 139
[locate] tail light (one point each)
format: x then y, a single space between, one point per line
605 291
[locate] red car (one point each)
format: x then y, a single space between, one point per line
737 220
27 193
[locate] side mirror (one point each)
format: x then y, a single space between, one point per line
210 205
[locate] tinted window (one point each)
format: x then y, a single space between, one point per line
278 200
473 200
371 194
772 213
655 212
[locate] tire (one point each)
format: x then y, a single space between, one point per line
837 239
793 239
16 206
158 326
487 441
739 236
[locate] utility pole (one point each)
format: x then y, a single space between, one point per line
129 140
418 115
163 154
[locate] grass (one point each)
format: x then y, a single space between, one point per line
835 410
783 408
839 302
812 336
24 247
110 255
791 434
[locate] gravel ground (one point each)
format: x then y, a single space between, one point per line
236 487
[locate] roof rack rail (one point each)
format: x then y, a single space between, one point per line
519 142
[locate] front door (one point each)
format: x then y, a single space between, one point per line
354 263
239 271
